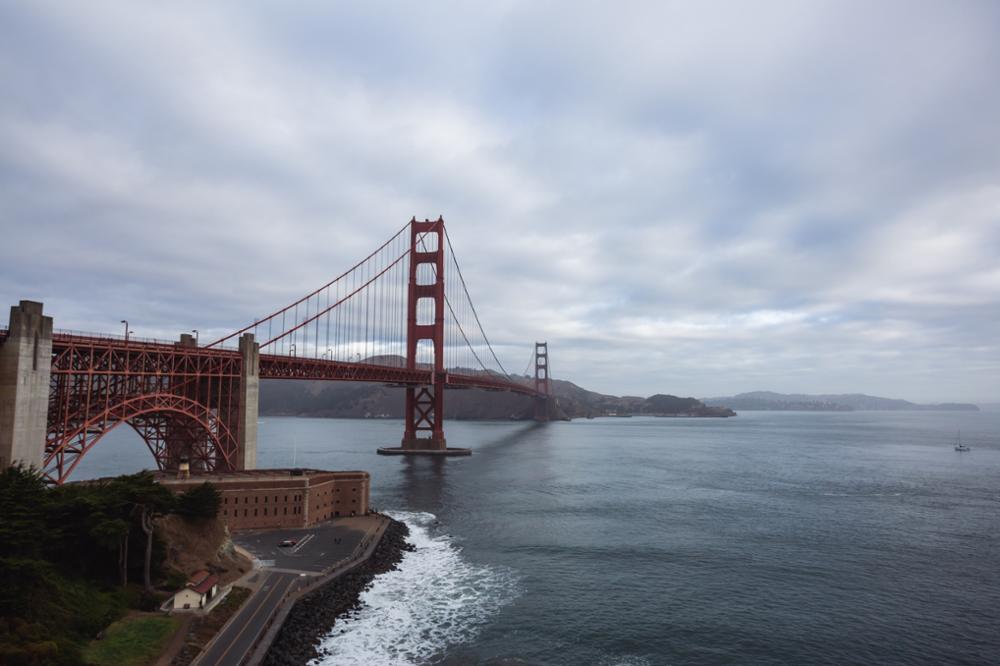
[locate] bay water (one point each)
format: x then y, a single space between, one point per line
769 538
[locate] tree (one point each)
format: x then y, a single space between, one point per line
200 502
113 533
23 508
148 499
147 527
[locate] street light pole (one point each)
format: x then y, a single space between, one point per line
195 331
125 321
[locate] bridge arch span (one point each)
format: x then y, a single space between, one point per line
171 425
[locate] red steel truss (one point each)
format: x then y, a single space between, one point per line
180 400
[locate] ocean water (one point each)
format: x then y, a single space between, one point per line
770 538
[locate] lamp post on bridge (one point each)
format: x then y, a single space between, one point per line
125 321
195 331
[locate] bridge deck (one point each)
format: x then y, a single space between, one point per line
273 366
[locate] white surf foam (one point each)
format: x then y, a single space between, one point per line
435 599
626 661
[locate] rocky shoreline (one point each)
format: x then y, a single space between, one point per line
316 614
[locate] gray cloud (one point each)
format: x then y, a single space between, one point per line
695 198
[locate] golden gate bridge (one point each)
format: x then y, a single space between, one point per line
402 316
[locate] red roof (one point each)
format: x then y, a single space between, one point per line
205 585
197 577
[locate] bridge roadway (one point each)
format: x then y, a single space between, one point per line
275 366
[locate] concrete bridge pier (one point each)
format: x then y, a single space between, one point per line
25 369
249 402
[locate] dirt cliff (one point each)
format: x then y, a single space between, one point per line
193 545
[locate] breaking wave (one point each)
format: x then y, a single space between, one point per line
435 599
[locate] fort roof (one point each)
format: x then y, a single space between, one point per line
236 476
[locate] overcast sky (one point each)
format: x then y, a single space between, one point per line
698 198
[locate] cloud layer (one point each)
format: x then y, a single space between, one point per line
686 197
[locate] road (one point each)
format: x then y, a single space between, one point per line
236 638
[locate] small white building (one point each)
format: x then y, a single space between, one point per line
198 593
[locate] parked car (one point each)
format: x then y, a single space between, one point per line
288 542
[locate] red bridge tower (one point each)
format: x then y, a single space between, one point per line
543 387
424 411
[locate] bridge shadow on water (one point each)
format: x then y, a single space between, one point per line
426 483
528 431
423 482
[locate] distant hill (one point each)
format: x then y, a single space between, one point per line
845 402
371 400
577 402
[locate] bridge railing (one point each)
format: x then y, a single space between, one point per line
116 337
109 336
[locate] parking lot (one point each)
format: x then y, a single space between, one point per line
316 548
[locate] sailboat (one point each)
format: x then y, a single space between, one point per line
958 443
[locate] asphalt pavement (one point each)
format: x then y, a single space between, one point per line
237 637
316 550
